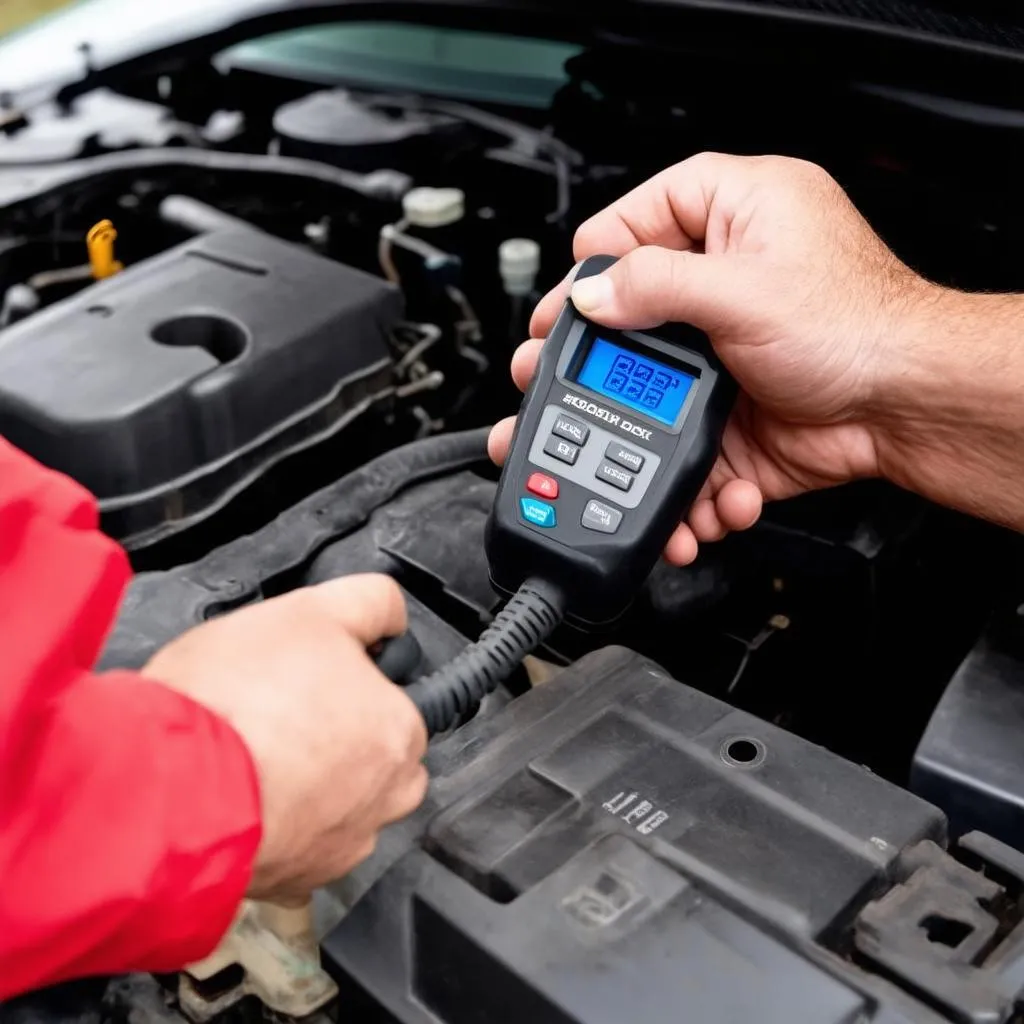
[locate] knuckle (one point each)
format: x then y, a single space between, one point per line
380 587
805 174
393 749
408 796
381 602
405 742
815 174
305 604
706 160
416 791
415 733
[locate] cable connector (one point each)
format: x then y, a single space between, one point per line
528 619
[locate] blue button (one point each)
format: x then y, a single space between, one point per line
540 513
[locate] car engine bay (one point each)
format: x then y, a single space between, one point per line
275 363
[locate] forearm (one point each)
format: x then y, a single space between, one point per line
949 404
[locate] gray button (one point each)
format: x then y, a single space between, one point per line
613 475
602 518
625 456
564 451
571 430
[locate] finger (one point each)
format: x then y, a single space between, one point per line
546 313
651 286
705 522
371 607
500 440
405 796
682 546
672 209
738 505
524 362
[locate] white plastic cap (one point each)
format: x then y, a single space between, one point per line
426 207
519 264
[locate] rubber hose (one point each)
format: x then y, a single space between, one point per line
528 619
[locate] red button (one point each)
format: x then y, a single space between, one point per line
544 486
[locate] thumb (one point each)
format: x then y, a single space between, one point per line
651 286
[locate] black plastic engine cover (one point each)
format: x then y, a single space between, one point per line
615 846
167 388
970 759
336 128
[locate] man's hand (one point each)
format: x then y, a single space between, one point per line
801 298
337 746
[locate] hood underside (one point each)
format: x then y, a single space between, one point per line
97 41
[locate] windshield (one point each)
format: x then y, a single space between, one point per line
480 66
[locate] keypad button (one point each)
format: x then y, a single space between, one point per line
564 451
539 513
624 456
600 517
543 486
612 474
571 430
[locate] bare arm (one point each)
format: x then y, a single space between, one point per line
949 405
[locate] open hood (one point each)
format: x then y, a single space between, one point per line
94 38
102 34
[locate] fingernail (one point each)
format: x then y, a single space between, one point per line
593 293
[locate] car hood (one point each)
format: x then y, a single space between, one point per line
96 37
100 34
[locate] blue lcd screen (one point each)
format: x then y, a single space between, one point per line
631 379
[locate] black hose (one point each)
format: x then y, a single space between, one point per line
160 606
447 695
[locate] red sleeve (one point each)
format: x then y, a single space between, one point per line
129 815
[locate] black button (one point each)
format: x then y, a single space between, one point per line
564 451
571 430
624 456
611 474
600 517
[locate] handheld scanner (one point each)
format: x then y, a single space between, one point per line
615 439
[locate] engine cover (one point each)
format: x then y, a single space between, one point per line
615 846
167 388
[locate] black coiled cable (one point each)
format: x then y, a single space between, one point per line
528 619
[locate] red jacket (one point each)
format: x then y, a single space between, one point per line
129 815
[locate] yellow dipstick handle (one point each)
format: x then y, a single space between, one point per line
100 243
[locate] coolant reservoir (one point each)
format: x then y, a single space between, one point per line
434 207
